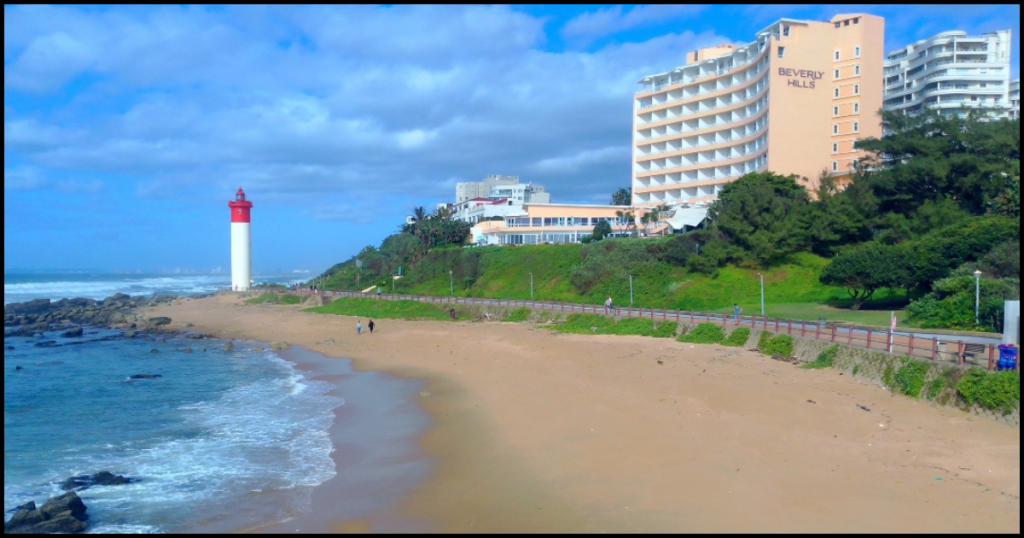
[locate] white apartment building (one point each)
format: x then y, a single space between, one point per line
950 72
499 186
1015 99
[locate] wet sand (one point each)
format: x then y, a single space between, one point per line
533 431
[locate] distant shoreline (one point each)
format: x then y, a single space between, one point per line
535 432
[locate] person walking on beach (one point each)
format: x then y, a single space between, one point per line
608 306
736 312
370 325
452 314
359 328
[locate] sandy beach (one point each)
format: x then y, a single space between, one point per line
533 431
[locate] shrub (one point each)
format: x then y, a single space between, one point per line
666 330
999 391
632 327
762 341
519 315
705 333
582 324
738 338
825 359
909 378
779 345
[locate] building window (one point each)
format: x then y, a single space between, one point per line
838 24
856 108
835 75
846 23
856 20
856 89
835 128
785 30
782 52
856 70
856 127
835 92
835 111
835 147
837 55
856 51
835 166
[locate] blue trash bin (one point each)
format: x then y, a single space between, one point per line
1007 357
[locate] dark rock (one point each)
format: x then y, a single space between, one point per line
119 297
18 368
47 343
146 376
60 515
188 349
8 348
73 332
154 351
30 506
229 347
102 478
159 321
129 334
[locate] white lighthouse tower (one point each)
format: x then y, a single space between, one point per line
241 242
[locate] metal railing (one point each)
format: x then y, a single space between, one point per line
907 343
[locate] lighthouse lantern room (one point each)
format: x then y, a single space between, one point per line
241 242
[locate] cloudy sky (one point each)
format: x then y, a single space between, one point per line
127 129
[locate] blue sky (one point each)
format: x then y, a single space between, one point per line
127 129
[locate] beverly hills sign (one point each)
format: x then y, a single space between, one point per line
800 78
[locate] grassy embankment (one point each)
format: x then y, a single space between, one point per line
792 289
275 298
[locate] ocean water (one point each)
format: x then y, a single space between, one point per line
224 441
20 286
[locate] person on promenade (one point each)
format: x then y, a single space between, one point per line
736 312
370 325
359 328
608 306
378 294
452 314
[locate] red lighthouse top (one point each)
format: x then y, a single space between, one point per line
240 207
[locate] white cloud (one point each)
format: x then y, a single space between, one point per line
611 20
24 179
190 102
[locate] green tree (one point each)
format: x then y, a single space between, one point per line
839 217
627 216
601 230
864 270
622 197
762 214
951 304
933 156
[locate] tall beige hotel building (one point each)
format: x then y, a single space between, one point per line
793 101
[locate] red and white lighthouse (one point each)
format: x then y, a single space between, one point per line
241 242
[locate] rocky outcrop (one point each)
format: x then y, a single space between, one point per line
74 332
102 478
60 515
279 345
228 346
26 319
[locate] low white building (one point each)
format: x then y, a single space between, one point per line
1015 98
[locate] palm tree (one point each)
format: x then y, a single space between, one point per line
653 215
418 214
629 218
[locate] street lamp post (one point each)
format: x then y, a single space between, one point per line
630 290
762 294
531 285
977 297
451 282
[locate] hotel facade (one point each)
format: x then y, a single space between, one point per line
794 101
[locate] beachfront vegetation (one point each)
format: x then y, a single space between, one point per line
372 308
597 324
518 315
825 359
778 345
275 298
737 338
936 200
704 333
999 391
